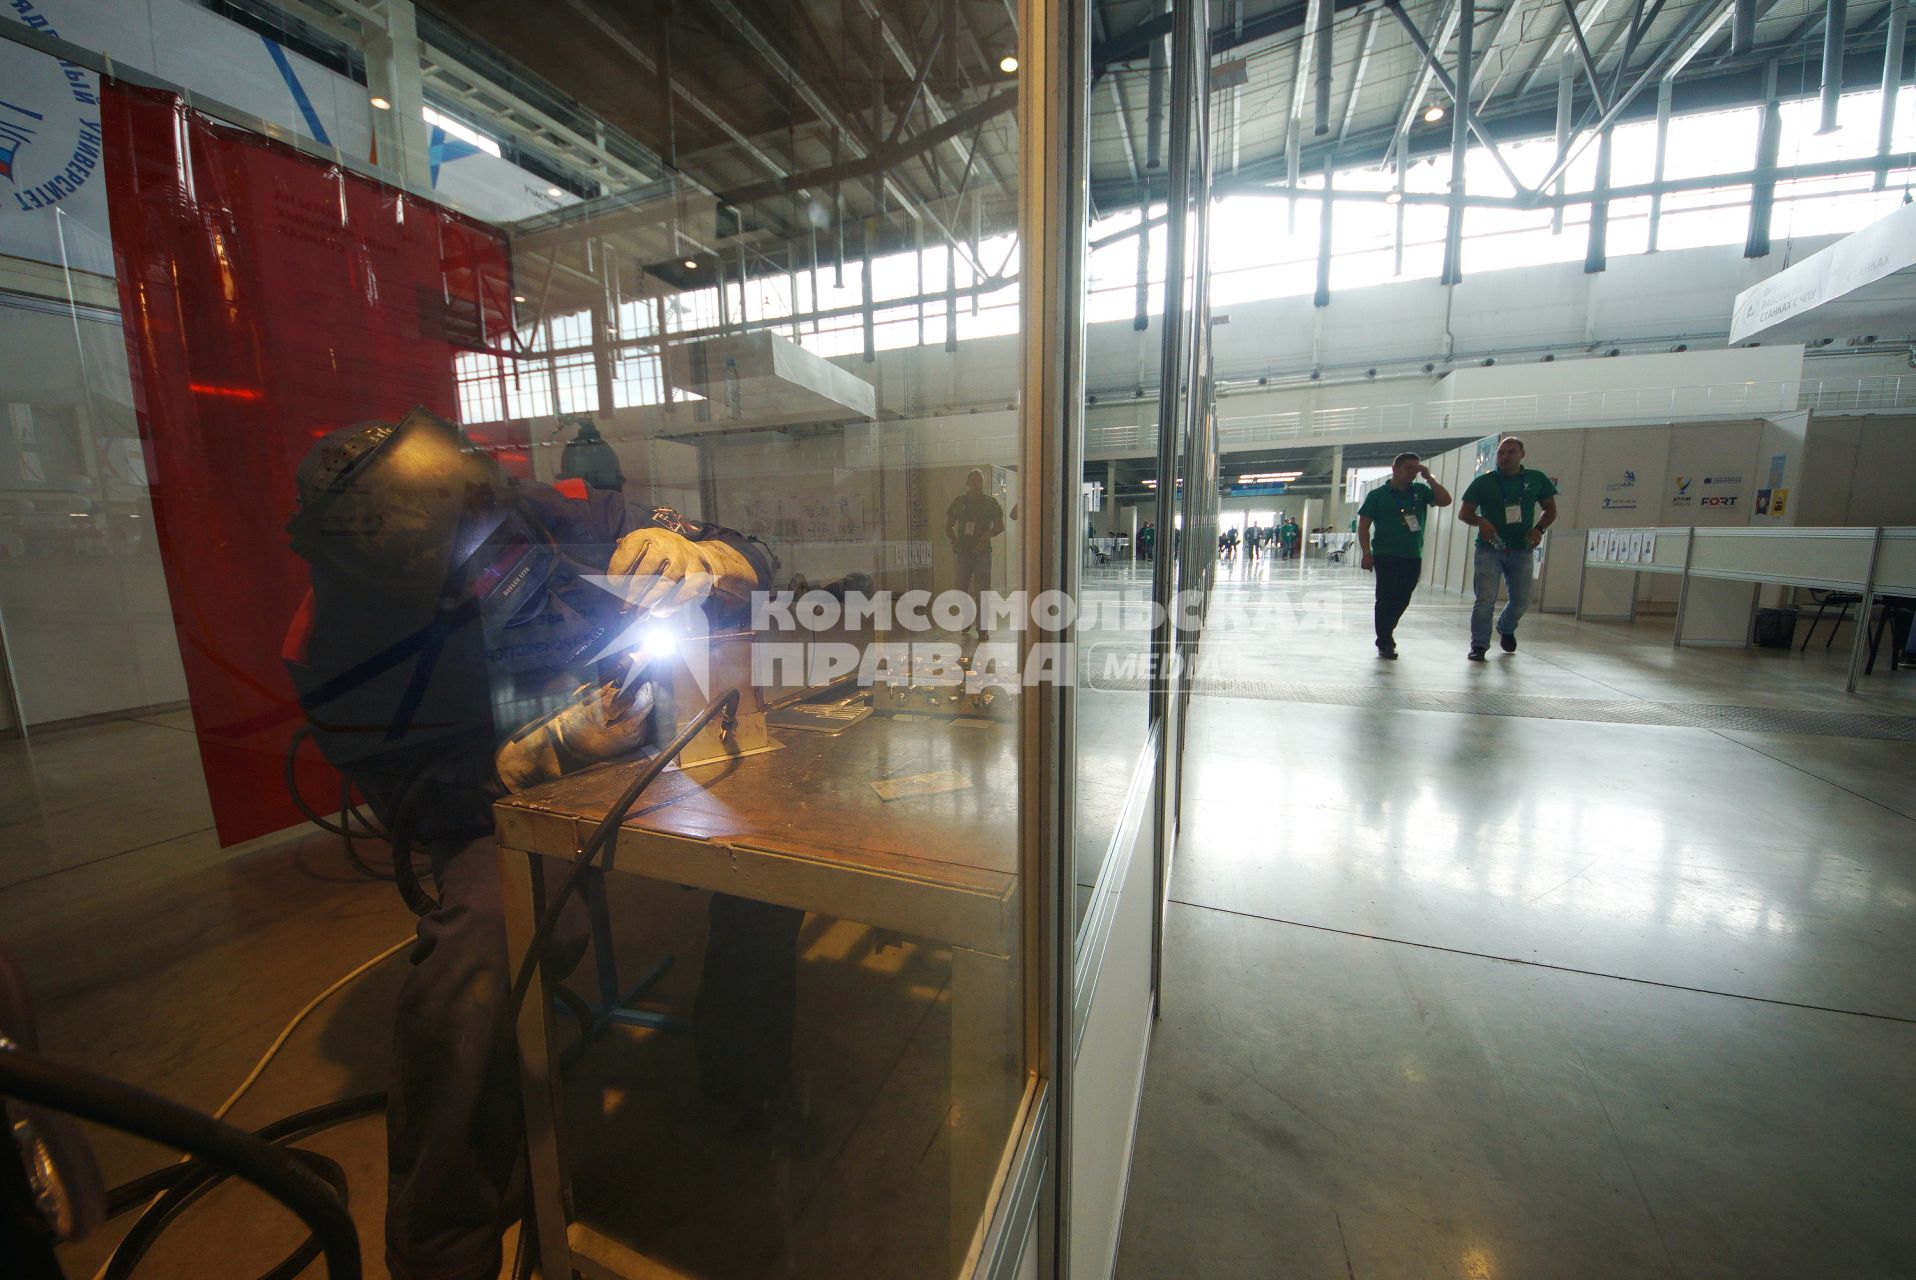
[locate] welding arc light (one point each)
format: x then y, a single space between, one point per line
655 643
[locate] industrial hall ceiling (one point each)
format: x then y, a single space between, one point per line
850 126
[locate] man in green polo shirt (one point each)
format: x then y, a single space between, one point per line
1390 533
1510 508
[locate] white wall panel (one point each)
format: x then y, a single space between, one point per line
1108 1077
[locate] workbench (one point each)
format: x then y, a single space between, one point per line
802 826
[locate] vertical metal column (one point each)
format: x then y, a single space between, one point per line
1322 298
1053 168
1835 21
1595 256
1768 144
865 289
951 295
1742 27
1892 85
1173 410
1663 149
1566 84
1397 242
1460 141
1325 14
392 51
1142 320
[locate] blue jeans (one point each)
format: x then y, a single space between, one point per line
1514 566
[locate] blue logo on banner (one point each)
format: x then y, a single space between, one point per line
441 149
298 90
15 133
73 133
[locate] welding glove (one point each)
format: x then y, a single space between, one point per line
665 572
593 727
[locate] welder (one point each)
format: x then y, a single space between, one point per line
469 635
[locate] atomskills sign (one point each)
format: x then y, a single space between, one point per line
49 124
1719 491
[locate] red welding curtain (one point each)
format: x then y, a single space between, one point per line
268 298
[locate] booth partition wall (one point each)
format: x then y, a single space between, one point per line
805 283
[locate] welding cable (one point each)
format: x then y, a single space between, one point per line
289 768
128 1195
287 1179
412 798
192 1180
347 813
342 828
726 703
286 1032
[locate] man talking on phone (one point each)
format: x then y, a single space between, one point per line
1390 533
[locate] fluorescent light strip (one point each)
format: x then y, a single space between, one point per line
463 132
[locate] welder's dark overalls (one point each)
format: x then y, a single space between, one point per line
454 1122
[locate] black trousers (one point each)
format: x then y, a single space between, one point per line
1396 579
454 1121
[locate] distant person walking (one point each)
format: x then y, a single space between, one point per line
1510 508
1147 541
1390 534
972 520
1287 534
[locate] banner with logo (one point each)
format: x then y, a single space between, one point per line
267 299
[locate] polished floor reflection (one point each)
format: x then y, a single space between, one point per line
1474 994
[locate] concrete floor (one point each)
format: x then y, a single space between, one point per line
1449 993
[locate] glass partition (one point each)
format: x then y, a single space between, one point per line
620 527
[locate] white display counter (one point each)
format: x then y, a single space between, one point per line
1720 569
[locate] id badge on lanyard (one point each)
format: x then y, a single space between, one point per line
1513 511
1410 521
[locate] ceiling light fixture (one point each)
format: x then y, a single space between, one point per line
1433 113
691 264
380 104
1008 64
1393 197
554 192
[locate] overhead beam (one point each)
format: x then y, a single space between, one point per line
1555 44
1357 75
1421 85
1696 18
1459 92
1582 47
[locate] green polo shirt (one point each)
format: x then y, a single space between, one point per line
1493 492
1391 512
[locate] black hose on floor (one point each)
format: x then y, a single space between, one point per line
292 1180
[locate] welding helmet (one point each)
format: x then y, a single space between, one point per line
413 512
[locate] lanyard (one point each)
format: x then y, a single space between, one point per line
1523 487
1406 499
